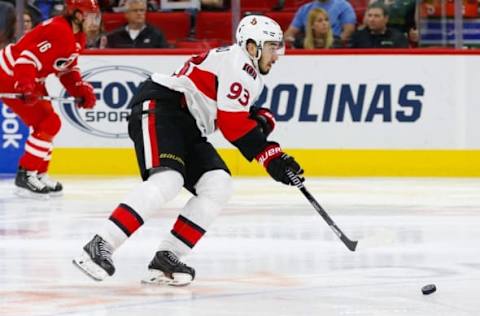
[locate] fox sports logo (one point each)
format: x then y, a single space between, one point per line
114 87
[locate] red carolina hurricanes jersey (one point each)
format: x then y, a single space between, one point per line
51 48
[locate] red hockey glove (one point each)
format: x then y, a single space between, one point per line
84 92
28 90
278 163
264 118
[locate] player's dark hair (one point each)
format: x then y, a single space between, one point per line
70 18
379 5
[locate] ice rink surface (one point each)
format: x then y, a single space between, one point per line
269 253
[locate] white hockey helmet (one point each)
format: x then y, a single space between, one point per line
260 29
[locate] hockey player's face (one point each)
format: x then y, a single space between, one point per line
269 56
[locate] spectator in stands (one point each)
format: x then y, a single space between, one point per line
137 33
96 38
7 23
213 5
119 5
31 13
402 15
29 21
376 34
341 15
318 32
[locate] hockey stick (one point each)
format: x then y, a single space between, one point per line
351 244
45 97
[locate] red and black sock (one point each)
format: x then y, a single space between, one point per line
126 219
187 231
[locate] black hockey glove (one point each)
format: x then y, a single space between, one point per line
264 118
278 163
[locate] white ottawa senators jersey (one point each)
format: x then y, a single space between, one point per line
219 86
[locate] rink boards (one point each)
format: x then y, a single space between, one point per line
339 114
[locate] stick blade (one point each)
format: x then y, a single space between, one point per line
351 244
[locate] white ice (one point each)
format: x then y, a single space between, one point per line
269 253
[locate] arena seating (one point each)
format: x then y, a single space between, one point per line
214 28
284 18
112 21
258 5
198 44
175 25
214 25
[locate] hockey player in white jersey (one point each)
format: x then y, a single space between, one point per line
171 115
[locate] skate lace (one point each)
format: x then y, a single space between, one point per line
105 249
172 257
45 179
34 181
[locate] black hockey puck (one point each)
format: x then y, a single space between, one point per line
429 289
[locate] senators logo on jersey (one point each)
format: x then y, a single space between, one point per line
250 70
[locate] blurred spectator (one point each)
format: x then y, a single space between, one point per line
96 37
7 23
318 32
30 9
341 14
29 21
137 33
213 5
376 34
402 15
119 5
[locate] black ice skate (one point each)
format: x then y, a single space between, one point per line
96 261
29 186
55 187
165 268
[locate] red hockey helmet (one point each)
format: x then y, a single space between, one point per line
85 6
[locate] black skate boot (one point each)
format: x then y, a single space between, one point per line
96 261
55 187
165 268
29 186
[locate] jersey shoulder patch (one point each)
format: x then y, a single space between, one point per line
250 70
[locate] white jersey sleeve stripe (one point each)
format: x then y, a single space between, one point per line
25 61
4 65
8 53
32 56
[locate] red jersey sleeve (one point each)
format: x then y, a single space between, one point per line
49 48
234 125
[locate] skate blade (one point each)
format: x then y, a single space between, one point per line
156 277
56 194
24 193
90 268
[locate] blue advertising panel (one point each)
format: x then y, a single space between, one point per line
13 134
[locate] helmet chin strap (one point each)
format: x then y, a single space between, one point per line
257 57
